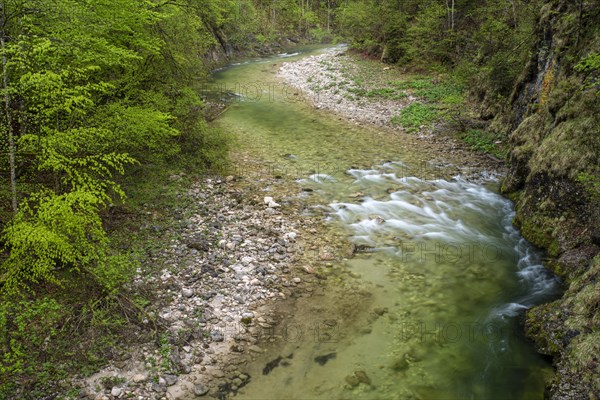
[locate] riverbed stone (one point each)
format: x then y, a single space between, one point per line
352 380
200 389
362 377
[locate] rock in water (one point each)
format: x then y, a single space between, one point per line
400 364
362 377
322 360
271 364
352 380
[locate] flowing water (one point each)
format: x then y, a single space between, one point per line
447 276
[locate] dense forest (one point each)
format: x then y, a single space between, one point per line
98 96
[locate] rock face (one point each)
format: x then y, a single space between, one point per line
553 120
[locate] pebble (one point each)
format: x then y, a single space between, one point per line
116 391
255 349
291 236
170 379
217 336
308 269
200 389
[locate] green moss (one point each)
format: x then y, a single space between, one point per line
540 325
539 231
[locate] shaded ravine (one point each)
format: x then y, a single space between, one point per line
439 275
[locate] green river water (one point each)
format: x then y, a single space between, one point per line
443 272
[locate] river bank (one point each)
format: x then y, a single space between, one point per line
215 288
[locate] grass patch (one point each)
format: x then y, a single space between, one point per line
416 116
485 141
445 93
418 82
386 93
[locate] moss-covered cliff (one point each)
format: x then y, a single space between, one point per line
553 121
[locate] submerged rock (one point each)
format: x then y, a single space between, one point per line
322 360
362 377
400 364
352 380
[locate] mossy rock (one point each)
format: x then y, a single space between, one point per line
539 231
544 324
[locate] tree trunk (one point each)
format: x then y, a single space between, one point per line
328 15
452 14
514 11
9 126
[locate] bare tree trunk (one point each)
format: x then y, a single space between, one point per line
301 16
273 13
514 11
328 14
307 10
452 14
9 127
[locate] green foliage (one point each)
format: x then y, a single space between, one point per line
489 39
25 329
484 141
415 83
96 90
415 116
386 93
591 182
52 232
590 65
446 93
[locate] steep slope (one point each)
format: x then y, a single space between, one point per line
554 120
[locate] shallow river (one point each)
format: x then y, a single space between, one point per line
445 275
